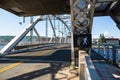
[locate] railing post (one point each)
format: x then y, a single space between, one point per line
114 54
98 48
105 52
107 55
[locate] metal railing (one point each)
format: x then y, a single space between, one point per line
110 52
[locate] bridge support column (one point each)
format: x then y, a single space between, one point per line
82 12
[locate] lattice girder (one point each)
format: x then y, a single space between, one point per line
82 15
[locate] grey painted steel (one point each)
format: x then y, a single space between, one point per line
46 28
31 36
63 22
116 19
37 34
52 26
19 37
82 12
110 52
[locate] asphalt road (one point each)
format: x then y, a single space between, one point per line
37 64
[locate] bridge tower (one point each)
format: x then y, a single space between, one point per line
82 12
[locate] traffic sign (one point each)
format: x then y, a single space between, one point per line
82 41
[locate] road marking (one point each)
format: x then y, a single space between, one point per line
58 47
18 63
9 67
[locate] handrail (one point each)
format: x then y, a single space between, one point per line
110 52
90 71
87 70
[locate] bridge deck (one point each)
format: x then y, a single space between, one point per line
51 63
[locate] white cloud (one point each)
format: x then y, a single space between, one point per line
118 36
95 36
106 34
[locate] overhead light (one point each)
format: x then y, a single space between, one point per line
16 9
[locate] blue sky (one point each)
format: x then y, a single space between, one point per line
9 25
105 25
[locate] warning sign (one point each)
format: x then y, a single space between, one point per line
82 40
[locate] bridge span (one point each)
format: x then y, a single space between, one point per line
78 34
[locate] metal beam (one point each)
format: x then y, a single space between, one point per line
36 7
46 29
37 34
19 37
82 12
63 23
52 26
31 36
116 19
110 7
118 25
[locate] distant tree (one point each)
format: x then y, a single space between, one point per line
7 38
102 38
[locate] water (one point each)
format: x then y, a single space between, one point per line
1 46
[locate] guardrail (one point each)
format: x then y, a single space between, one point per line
26 48
110 52
87 70
33 45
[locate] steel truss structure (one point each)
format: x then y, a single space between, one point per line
30 28
82 12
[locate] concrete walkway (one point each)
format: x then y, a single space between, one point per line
107 71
